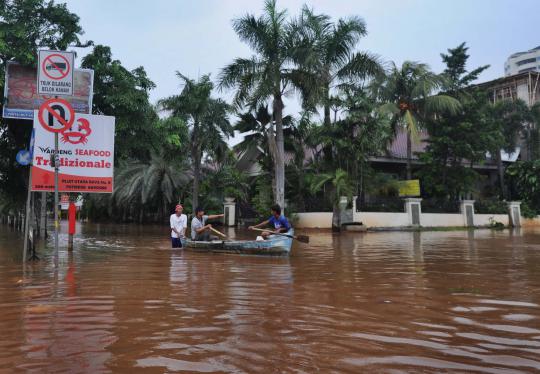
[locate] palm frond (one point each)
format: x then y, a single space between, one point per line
442 103
361 65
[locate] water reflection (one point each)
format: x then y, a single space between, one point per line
464 301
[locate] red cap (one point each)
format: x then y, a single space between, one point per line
178 207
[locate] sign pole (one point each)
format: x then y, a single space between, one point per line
56 223
27 214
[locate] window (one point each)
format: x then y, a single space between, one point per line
526 70
527 61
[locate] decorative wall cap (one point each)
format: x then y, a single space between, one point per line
412 199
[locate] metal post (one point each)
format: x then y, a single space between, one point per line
56 223
43 216
27 214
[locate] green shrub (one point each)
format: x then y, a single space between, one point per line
527 211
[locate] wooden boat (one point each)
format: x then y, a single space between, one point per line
276 245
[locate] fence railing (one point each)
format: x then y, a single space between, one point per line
490 206
440 206
380 204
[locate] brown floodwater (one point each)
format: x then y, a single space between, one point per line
400 302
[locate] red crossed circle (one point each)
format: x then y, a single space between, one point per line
48 59
46 108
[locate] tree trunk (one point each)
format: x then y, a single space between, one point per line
196 155
280 154
272 147
300 203
196 178
500 170
409 155
327 120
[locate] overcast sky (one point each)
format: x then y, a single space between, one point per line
196 37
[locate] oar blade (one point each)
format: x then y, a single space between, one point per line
303 238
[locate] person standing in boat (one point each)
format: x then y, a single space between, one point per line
178 226
277 220
200 231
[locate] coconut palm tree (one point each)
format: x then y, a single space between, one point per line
325 51
255 126
410 95
266 76
339 185
154 183
207 118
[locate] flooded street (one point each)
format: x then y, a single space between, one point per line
400 302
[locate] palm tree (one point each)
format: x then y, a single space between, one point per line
255 126
409 94
207 118
153 183
340 185
264 77
326 54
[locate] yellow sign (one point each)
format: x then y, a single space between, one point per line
409 188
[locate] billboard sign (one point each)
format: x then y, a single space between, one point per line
410 188
85 155
21 97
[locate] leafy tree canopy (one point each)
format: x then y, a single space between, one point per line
125 94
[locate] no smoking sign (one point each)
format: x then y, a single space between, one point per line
55 73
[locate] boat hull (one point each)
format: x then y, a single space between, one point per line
276 245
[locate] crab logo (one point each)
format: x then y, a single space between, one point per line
80 136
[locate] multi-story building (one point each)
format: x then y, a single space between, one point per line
522 62
524 86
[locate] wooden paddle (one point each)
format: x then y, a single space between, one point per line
219 233
300 238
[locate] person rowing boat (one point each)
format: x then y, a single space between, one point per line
200 231
277 220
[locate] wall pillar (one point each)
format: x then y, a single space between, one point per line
466 208
343 200
413 208
514 213
229 210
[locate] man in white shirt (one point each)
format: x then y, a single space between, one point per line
178 227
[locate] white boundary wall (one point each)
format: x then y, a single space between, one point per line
323 220
316 220
484 219
382 219
442 219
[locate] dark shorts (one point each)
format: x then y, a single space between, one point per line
203 237
176 242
